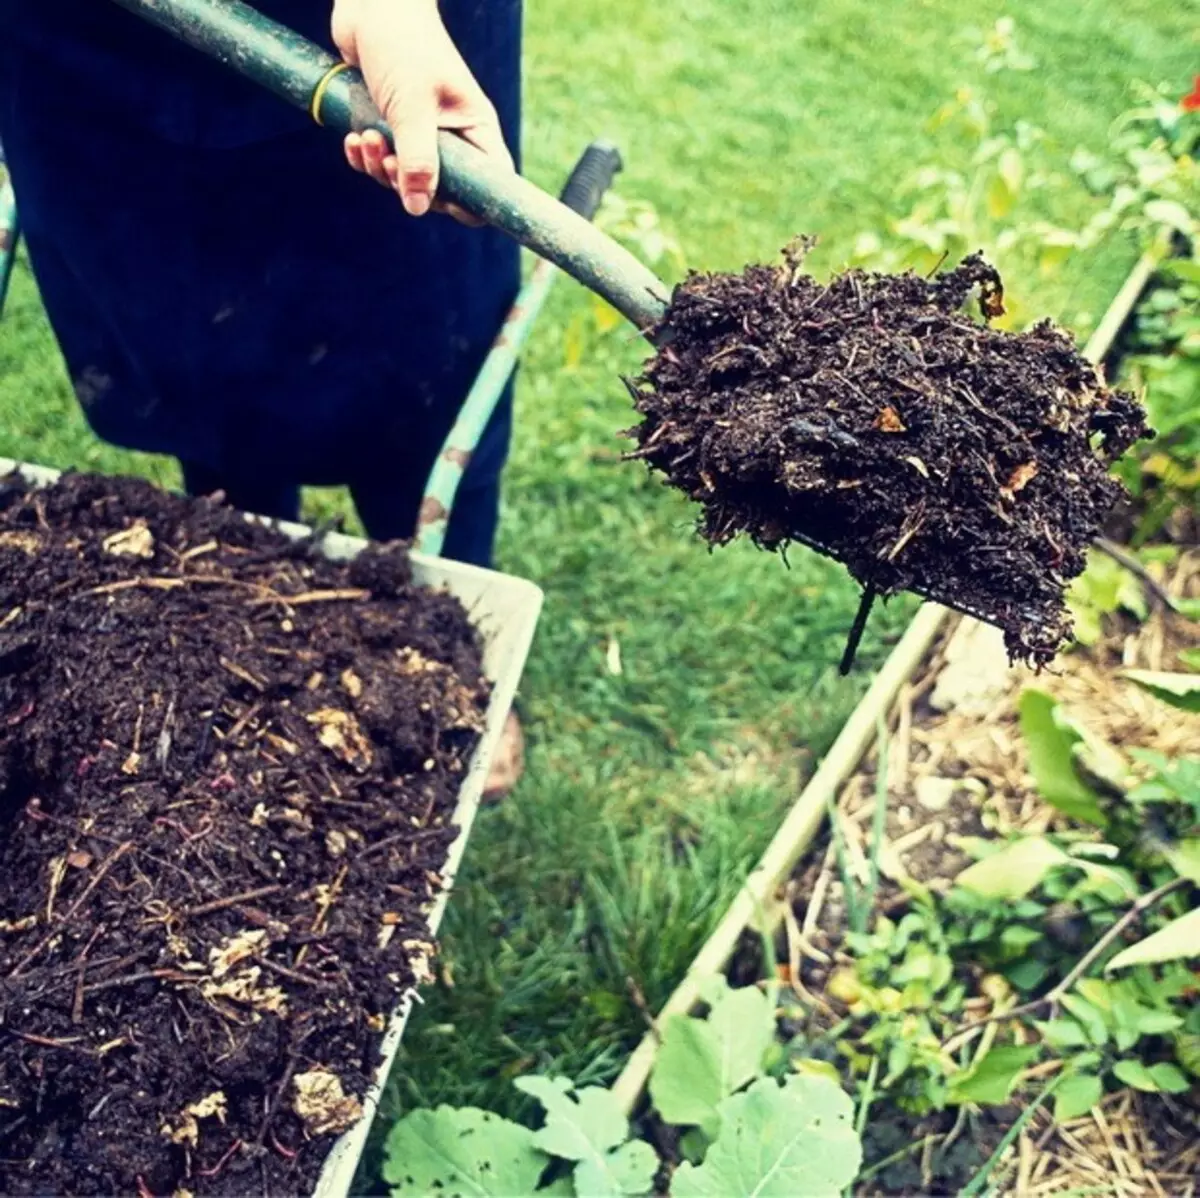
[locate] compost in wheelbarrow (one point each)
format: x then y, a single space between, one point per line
228 771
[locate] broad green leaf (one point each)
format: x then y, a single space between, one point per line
685 1086
1163 1078
578 1122
1063 1033
629 1169
1051 750
1012 168
743 1026
1185 858
1131 1019
1134 1073
1000 197
1158 1023
1178 941
702 1061
1099 993
1187 1053
1091 1019
1103 588
1178 689
1015 871
693 1144
778 1142
1169 1078
817 1068
462 1151
990 1082
589 1126
1172 214
1075 1095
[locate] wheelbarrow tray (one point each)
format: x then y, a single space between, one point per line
505 611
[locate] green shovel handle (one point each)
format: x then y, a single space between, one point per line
334 94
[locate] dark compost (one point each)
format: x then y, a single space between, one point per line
227 770
874 419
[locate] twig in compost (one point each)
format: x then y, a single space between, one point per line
301 600
49 1041
1055 995
132 979
798 947
101 871
77 1005
409 836
273 1106
232 900
812 914
305 979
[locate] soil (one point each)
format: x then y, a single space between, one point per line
873 419
227 771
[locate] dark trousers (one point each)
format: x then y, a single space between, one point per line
226 291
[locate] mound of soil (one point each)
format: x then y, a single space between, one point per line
877 422
227 768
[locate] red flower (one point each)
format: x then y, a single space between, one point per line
1191 102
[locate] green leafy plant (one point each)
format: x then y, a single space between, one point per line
1150 178
1148 173
749 1132
778 1140
1165 368
1103 589
1043 925
983 200
901 995
1108 1030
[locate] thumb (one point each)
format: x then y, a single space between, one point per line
412 114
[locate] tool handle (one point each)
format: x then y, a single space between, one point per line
593 175
313 79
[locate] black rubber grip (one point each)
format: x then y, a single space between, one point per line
591 178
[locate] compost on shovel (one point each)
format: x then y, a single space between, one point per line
227 770
876 421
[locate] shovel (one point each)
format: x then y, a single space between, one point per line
334 94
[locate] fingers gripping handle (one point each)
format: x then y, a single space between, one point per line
515 206
311 78
593 175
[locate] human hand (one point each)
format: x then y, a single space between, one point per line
421 84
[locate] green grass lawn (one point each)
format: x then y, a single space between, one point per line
650 791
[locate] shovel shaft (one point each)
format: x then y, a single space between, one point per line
311 78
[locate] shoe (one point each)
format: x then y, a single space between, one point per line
508 764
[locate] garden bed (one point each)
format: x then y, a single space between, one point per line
956 773
230 770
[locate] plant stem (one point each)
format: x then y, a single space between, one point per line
879 816
849 884
1151 899
887 1162
976 1184
867 1097
1126 559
